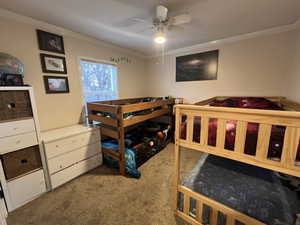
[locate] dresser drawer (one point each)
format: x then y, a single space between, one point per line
15 105
22 161
26 188
68 144
16 127
62 161
77 169
13 143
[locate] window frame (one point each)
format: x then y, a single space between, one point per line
93 60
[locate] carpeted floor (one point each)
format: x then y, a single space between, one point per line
102 197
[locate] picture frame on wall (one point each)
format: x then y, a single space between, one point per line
53 64
197 67
50 42
56 84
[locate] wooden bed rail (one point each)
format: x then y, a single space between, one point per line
188 117
113 123
265 119
279 100
195 214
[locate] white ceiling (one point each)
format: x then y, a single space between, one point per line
112 20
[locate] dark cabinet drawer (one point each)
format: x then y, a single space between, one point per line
14 105
21 162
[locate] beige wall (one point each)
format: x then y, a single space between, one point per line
293 83
58 110
253 67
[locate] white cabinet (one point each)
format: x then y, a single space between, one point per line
19 131
70 152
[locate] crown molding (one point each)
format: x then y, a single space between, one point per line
275 30
62 31
65 32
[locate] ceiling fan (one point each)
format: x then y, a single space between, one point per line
162 22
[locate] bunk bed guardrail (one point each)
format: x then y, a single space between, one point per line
265 120
196 215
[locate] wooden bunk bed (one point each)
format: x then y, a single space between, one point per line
290 119
114 119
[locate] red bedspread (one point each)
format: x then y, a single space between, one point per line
277 132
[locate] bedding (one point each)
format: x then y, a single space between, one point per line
141 144
277 132
254 191
130 156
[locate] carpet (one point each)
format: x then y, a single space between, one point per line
103 197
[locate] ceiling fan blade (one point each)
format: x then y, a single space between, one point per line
175 30
180 19
133 21
149 29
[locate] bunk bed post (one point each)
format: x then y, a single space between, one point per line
121 141
177 157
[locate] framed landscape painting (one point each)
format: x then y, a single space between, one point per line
197 67
56 84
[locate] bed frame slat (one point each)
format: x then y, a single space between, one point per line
230 220
221 132
199 211
114 155
190 128
204 131
264 134
186 203
109 132
290 147
213 216
240 138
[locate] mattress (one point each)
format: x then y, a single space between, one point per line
256 192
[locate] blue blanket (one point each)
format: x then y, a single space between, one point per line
130 157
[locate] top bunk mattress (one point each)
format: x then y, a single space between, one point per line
256 192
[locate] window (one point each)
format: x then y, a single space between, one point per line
99 81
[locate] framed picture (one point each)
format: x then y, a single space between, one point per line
197 67
55 84
53 64
50 42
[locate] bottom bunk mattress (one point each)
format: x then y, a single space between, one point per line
253 191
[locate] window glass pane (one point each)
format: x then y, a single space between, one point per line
99 81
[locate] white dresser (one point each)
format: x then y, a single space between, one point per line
22 164
71 151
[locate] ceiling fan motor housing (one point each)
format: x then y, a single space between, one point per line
161 13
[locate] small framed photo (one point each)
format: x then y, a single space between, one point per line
53 64
50 42
56 84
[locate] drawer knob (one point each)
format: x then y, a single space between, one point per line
18 142
60 166
57 146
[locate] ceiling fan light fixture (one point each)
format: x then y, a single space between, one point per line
160 38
